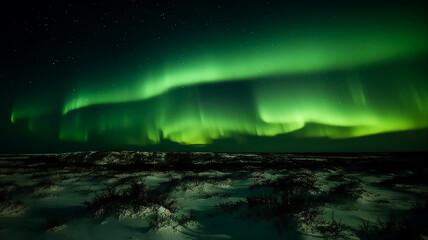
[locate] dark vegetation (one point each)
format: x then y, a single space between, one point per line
179 161
52 222
195 181
348 188
111 199
334 229
408 177
135 199
8 204
297 199
158 221
382 200
6 190
137 161
391 228
293 199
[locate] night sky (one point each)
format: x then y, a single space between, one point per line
214 76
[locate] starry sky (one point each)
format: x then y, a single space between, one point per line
281 76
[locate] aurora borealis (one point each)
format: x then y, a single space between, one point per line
278 70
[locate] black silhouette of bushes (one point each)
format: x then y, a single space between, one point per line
179 161
196 181
3 195
391 228
283 210
162 211
158 221
52 222
290 202
303 181
334 229
110 200
414 177
350 188
7 190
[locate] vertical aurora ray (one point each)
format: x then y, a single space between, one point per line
363 115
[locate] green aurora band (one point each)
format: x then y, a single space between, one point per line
340 49
323 83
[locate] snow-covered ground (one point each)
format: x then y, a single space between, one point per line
142 195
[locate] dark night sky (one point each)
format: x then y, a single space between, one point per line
214 76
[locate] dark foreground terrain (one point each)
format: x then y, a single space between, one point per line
149 195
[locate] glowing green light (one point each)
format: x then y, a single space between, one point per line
327 81
334 48
12 118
